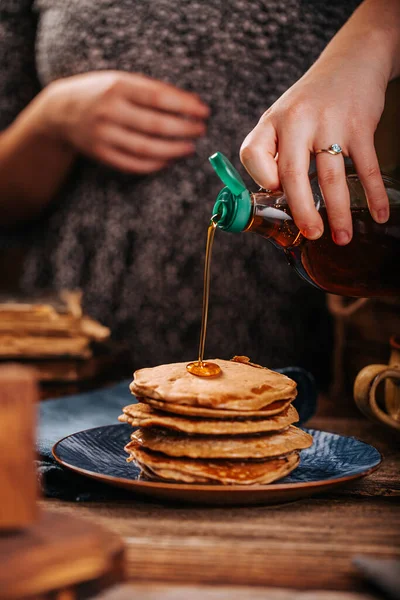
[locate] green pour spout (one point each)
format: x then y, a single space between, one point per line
233 205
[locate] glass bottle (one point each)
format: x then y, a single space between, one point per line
369 266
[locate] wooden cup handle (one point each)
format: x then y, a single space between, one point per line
365 386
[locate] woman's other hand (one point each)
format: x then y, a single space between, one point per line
338 101
131 122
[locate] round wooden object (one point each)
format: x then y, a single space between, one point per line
62 555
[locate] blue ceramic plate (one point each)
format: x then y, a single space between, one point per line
332 460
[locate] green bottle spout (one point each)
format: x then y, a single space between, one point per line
233 205
227 173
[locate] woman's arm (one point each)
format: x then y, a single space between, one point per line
30 162
377 23
339 100
32 165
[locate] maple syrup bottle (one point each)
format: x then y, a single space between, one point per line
369 266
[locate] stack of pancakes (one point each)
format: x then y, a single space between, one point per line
236 428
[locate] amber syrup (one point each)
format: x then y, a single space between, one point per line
366 267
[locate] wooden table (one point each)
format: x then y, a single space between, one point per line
176 551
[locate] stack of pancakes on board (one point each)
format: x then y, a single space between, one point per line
236 428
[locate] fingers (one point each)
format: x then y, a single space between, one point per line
293 165
290 172
140 145
156 94
257 154
332 181
366 163
129 163
157 123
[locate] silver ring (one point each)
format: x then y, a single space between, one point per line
333 149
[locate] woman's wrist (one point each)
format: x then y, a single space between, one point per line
43 119
370 38
371 51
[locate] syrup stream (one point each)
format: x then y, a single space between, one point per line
201 368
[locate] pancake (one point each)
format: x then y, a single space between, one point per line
142 415
239 387
157 466
214 413
218 446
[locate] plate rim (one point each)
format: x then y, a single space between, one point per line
272 487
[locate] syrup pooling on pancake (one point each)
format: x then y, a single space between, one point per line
239 387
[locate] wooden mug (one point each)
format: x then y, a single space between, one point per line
366 384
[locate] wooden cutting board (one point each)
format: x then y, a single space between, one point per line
42 554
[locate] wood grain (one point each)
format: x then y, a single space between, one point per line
203 592
18 480
59 554
306 545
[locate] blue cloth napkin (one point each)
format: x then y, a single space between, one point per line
69 414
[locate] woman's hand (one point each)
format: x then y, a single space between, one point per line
129 121
339 100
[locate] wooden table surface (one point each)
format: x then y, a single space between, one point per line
178 551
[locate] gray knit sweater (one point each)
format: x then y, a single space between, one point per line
135 245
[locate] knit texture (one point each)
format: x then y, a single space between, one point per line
135 245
